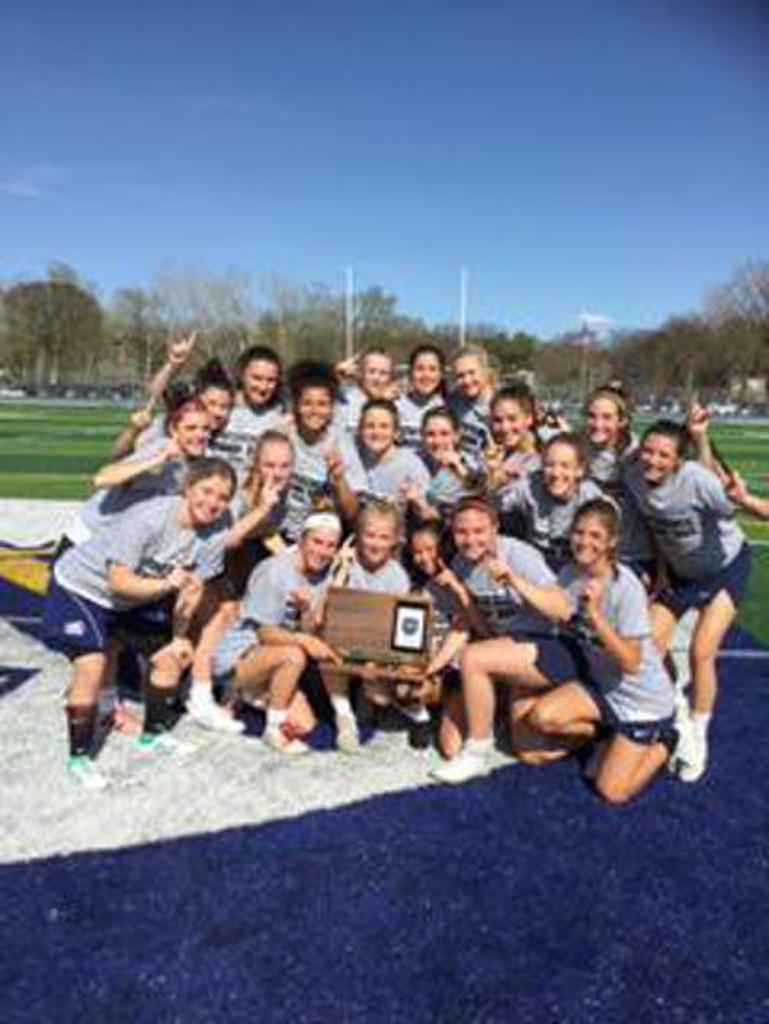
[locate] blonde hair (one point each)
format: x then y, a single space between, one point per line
252 483
380 508
478 352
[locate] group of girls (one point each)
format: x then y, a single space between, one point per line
558 563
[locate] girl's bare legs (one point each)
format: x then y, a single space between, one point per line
627 768
709 633
566 713
453 727
214 618
486 661
338 688
481 664
278 669
529 745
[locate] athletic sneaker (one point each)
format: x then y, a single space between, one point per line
276 738
695 765
151 747
462 768
205 712
347 735
84 773
686 750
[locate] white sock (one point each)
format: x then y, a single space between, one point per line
416 714
700 722
479 748
201 693
342 706
276 717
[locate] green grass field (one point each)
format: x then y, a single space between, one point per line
52 451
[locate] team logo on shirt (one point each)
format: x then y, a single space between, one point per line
74 628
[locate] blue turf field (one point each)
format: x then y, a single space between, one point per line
518 898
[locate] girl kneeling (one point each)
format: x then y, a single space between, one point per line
619 682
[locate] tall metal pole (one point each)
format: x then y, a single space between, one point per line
586 337
349 314
462 305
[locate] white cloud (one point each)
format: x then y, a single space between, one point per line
49 182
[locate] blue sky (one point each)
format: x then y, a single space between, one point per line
603 155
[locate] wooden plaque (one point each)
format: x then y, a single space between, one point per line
387 630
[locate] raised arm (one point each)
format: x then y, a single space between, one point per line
116 473
249 524
178 352
346 498
125 443
737 491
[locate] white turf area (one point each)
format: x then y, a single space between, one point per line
30 521
230 781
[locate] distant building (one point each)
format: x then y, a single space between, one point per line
748 389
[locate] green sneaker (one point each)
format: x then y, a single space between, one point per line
152 747
84 773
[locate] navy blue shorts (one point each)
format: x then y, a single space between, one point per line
560 659
76 626
659 730
681 595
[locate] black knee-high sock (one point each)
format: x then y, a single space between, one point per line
81 723
159 708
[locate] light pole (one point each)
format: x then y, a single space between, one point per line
349 314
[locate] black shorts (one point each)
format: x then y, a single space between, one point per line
647 733
560 659
681 595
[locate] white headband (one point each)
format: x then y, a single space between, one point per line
322 521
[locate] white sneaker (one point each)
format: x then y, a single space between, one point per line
152 747
275 738
84 773
206 713
347 735
694 767
462 768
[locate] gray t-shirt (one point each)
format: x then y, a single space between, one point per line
607 467
386 477
348 408
646 696
411 410
391 578
544 520
270 597
475 432
690 517
149 540
445 489
237 440
502 607
309 480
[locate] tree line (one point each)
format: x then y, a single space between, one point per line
56 332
